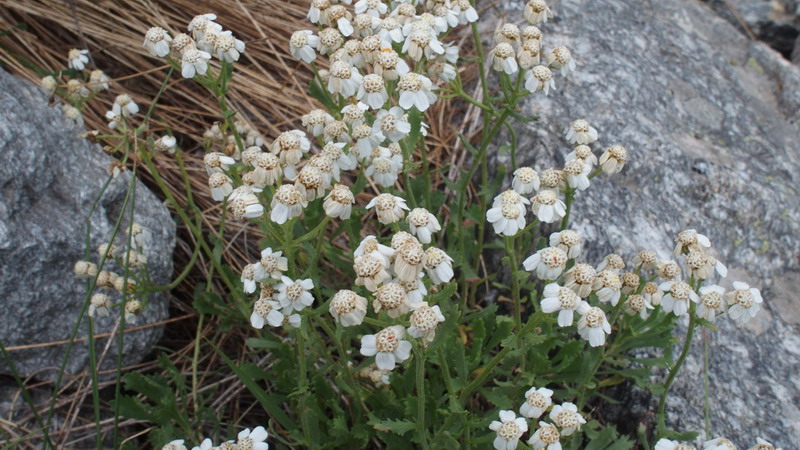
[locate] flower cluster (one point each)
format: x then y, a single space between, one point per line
255 439
565 420
507 214
101 303
713 444
81 86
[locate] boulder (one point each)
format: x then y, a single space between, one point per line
50 178
709 119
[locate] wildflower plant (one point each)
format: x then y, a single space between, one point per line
367 291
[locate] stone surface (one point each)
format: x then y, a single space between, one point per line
49 180
776 22
710 122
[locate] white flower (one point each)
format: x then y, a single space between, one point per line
392 123
165 144
339 202
408 260
367 139
294 295
100 304
390 30
156 41
637 304
207 444
393 298
194 62
217 162
583 152
316 120
537 11
547 206
466 12
348 308
78 58
288 202
220 185
132 308
266 311
388 208
373 91
388 64
678 297
415 289
290 146
509 429
387 346
311 182
652 293
203 23
702 265
539 78
125 106
536 402
343 79
77 90
421 42
711 302
577 173
243 203
593 325
745 302
666 444
566 417
548 263
562 300
503 59
580 132
251 274
98 81
227 47
415 91
438 265
74 114
384 168
688 240
761 444
560 58
49 84
422 223
177 444
266 169
318 12
613 159
526 180
371 270
608 285
370 246
507 213
567 240
340 17
255 440
272 264
545 437
335 151
424 321
718 444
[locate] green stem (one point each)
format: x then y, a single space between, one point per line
512 254
303 383
706 386
421 428
662 402
570 197
313 233
95 390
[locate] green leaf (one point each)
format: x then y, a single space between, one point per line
399 427
316 91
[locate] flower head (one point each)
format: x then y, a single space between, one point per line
593 325
546 437
744 301
288 202
294 295
547 206
78 58
509 429
678 296
438 265
348 308
389 208
548 263
387 346
157 41
613 159
507 213
424 320
562 300
536 402
253 440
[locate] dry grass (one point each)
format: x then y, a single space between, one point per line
269 90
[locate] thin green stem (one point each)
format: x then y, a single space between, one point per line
512 254
195 359
303 382
570 197
95 390
706 386
422 429
687 344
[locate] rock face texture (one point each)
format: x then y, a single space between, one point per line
49 180
710 121
776 22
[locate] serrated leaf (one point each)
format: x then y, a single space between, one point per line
398 427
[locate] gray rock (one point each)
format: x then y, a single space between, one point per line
710 122
49 180
776 22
